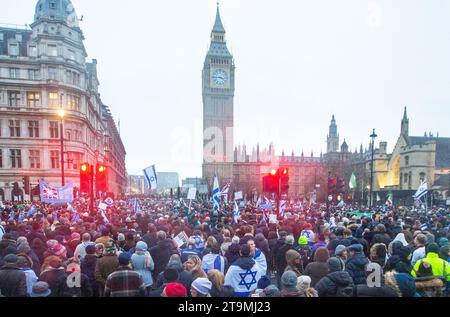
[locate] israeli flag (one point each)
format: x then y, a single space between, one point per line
21 217
236 212
422 191
103 214
136 207
216 193
151 177
282 207
11 215
31 211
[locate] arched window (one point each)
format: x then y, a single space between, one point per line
406 160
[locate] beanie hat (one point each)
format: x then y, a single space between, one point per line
75 236
40 289
303 283
432 247
58 249
263 282
289 280
303 240
339 250
356 247
271 291
51 243
334 265
11 259
24 247
290 240
124 258
175 290
443 242
90 249
202 285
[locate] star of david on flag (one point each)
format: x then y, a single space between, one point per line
244 279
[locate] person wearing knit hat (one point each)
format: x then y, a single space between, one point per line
142 263
271 291
302 240
59 250
174 290
304 287
106 264
51 243
443 242
200 287
289 285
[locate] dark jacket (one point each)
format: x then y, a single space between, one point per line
328 285
381 238
356 267
88 266
232 253
56 280
366 291
151 239
184 277
280 257
104 267
316 270
12 281
85 289
161 255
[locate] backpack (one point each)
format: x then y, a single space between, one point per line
342 291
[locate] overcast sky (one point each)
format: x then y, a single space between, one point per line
297 63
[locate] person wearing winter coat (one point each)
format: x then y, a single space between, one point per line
55 276
356 264
289 285
402 283
25 263
189 250
304 287
213 260
294 262
88 264
337 283
440 267
374 289
80 250
399 259
161 254
319 268
107 264
280 256
244 274
378 254
184 277
233 252
381 236
142 263
12 280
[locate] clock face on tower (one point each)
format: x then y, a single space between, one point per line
220 77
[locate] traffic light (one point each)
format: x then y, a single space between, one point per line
84 178
271 182
26 184
101 180
284 180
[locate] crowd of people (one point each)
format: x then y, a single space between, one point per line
69 250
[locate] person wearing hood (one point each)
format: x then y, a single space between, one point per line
243 275
356 264
337 283
401 238
319 268
294 262
142 263
399 259
341 254
402 283
444 253
440 267
289 285
304 287
184 277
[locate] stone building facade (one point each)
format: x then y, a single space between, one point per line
43 69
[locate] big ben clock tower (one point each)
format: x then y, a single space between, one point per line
218 93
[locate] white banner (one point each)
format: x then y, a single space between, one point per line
192 193
238 195
102 206
181 239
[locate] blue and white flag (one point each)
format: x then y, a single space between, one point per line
31 211
76 217
21 217
11 216
225 190
282 207
236 212
216 193
421 191
136 207
103 214
109 201
243 280
151 177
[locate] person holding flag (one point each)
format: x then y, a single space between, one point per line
236 212
216 193
421 191
136 207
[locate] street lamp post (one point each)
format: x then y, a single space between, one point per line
61 115
373 136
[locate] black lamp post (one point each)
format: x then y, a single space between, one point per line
373 136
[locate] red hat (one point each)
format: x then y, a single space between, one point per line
308 226
176 290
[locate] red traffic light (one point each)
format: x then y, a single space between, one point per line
84 168
101 168
273 172
285 171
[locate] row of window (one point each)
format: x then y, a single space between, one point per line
34 159
33 99
52 50
72 133
72 77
